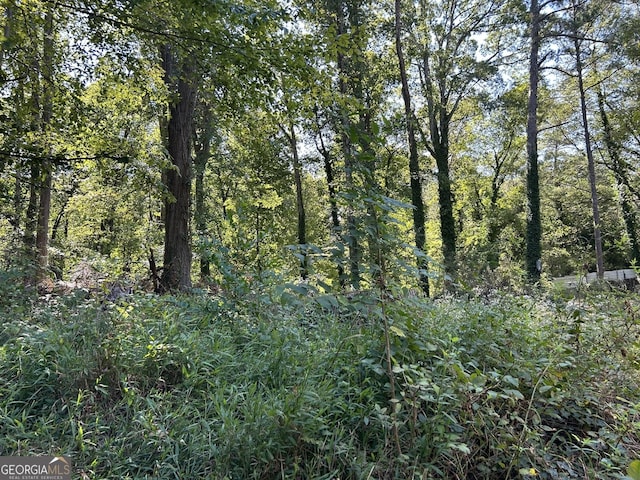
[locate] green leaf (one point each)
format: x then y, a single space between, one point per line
396 331
513 393
461 447
478 380
460 373
528 472
328 302
511 380
633 470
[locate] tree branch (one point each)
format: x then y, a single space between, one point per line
61 158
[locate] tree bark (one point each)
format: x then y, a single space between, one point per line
414 166
534 225
344 73
367 159
302 229
55 228
44 207
445 203
333 199
597 234
202 145
42 231
439 121
31 223
495 226
177 242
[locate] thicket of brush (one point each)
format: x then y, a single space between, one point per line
275 383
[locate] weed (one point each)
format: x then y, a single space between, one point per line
281 384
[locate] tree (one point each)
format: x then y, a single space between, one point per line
414 165
288 111
328 163
349 64
176 32
577 43
44 208
202 139
257 212
616 99
32 77
449 69
177 214
297 176
352 109
490 188
620 171
534 222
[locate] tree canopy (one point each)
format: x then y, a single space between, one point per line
332 141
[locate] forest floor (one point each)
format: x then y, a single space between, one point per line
279 382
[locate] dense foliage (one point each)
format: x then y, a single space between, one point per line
272 383
354 211
336 139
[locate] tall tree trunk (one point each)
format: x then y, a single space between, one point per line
353 242
445 201
439 121
302 228
379 266
44 208
31 223
42 231
16 216
534 224
613 149
177 242
333 198
494 226
34 106
414 166
55 228
344 73
367 158
597 234
200 213
202 145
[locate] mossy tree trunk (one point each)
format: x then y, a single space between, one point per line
414 165
621 175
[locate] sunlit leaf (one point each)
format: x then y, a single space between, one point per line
633 470
397 331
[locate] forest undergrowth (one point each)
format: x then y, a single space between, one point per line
288 382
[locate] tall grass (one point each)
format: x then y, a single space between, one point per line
284 386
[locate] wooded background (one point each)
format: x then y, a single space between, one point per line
349 142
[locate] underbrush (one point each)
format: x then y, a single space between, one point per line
281 385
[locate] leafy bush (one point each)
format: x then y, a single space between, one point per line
277 384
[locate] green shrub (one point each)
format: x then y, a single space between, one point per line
275 385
